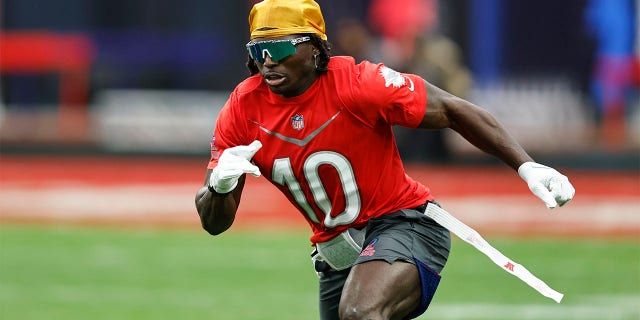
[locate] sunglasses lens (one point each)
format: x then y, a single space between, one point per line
254 52
276 50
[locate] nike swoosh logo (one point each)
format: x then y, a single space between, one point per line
411 88
295 141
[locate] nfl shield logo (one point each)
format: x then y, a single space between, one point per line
297 122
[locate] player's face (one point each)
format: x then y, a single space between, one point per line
286 72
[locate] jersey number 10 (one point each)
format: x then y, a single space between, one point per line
283 175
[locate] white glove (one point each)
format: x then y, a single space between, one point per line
547 184
233 163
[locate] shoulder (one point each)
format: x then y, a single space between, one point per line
250 88
341 63
351 79
347 65
231 123
249 84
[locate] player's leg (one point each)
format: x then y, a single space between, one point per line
397 272
379 290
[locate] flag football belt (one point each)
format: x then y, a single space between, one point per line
341 251
472 237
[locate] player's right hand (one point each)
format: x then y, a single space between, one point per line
233 163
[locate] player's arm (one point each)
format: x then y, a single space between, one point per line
217 211
217 201
481 129
474 123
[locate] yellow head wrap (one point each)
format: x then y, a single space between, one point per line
276 18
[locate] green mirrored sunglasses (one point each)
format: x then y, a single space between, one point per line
276 49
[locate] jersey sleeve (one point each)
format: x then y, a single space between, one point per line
381 94
228 131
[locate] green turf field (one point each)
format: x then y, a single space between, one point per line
102 273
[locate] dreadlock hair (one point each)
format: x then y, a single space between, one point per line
323 58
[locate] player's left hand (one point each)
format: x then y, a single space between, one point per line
552 187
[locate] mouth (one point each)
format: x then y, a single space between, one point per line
273 79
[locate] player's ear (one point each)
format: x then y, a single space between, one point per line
315 49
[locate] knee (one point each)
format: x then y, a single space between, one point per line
358 311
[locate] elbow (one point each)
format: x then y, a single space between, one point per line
214 226
213 216
214 230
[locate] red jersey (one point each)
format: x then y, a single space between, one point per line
331 150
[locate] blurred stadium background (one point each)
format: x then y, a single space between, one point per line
107 109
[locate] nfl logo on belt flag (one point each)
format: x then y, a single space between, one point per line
297 122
